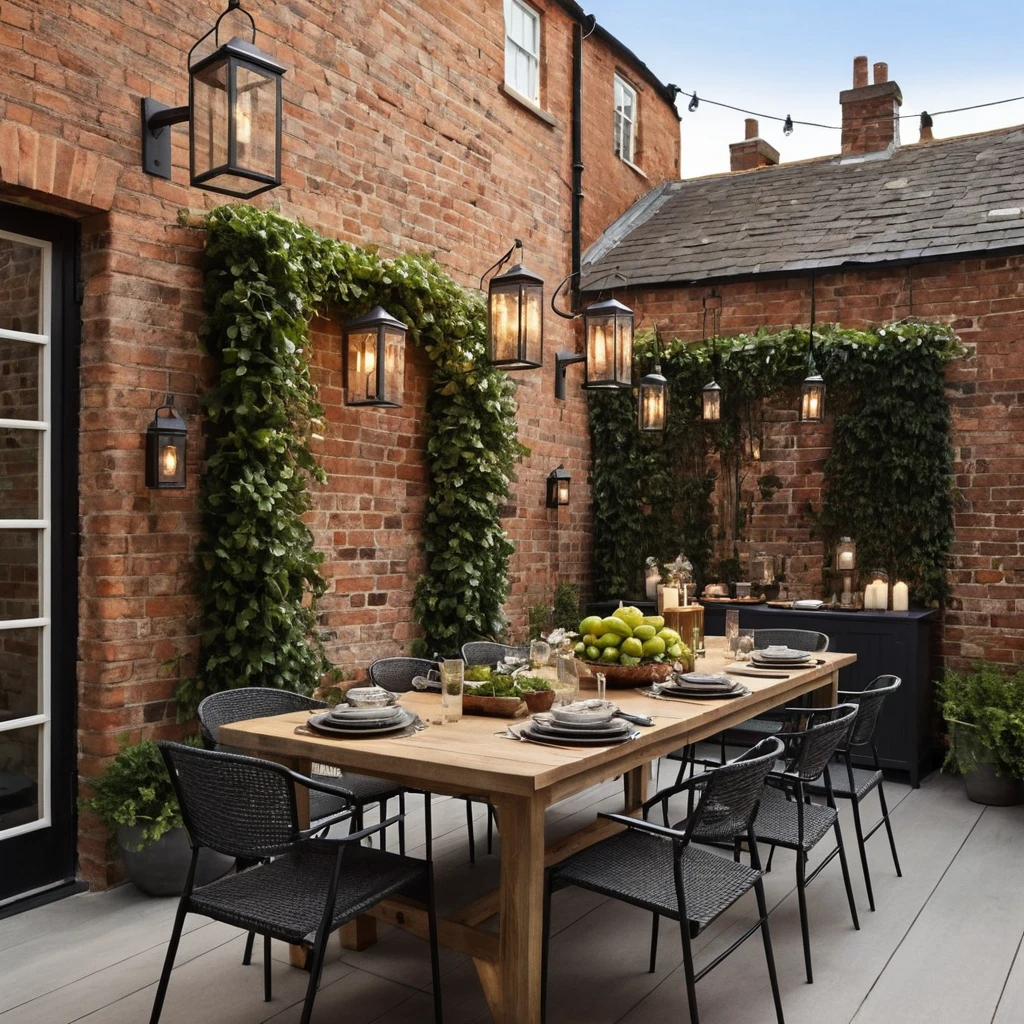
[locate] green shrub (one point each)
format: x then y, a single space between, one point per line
990 702
567 611
540 620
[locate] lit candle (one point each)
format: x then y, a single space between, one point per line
845 559
869 597
686 602
900 597
881 595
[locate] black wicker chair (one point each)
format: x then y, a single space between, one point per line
486 652
301 888
797 639
657 868
854 784
396 675
787 818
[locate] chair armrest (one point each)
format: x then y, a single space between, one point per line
643 826
353 837
670 791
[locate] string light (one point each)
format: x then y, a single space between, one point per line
787 128
694 103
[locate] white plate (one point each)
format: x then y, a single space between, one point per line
584 712
813 605
369 697
783 654
611 725
343 713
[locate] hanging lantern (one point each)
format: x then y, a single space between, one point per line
846 555
608 327
515 319
711 402
755 448
558 487
234 115
652 403
374 359
166 439
812 402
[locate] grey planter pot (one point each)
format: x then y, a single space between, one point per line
984 785
160 869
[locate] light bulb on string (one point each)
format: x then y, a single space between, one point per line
693 104
787 128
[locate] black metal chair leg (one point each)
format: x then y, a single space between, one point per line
654 943
771 854
888 829
247 956
801 892
862 846
401 824
846 875
691 981
172 950
470 830
762 909
267 996
315 966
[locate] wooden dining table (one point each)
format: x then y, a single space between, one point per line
521 779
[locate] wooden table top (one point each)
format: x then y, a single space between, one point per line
473 755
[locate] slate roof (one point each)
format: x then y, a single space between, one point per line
961 195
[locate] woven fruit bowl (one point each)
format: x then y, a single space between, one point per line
622 677
499 707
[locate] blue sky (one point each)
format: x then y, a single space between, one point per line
795 57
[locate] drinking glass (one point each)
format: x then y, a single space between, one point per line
568 685
540 653
732 629
601 685
744 644
452 675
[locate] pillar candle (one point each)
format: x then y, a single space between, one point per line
869 597
881 590
900 597
845 559
668 597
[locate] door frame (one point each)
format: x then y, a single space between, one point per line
30 873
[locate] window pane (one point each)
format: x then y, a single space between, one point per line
20 777
21 284
19 378
627 140
19 673
19 574
19 473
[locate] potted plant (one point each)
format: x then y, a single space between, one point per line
135 800
984 713
536 692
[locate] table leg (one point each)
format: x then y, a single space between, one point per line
634 786
827 695
520 938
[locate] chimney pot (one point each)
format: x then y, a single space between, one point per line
881 73
751 128
753 152
860 72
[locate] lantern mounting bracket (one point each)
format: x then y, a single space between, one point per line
157 118
517 245
564 358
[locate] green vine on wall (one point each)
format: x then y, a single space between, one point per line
886 483
266 279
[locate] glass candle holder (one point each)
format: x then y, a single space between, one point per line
568 685
452 682
540 653
732 629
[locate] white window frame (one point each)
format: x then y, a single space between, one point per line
44 715
622 89
522 54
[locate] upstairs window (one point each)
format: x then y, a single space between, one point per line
522 50
625 120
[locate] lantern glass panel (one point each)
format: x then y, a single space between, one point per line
532 349
255 119
209 118
394 365
563 492
652 405
711 398
624 349
504 323
812 406
600 349
362 367
846 555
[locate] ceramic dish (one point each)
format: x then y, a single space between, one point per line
808 605
344 713
610 728
703 679
369 697
573 741
584 712
323 723
669 691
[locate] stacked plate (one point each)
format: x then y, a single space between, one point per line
780 657
346 720
585 723
701 686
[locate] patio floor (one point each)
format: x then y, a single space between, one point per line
943 945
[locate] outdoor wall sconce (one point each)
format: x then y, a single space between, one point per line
608 330
234 116
558 487
652 404
711 402
374 359
515 315
166 438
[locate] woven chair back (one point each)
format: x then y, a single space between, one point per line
869 704
797 639
729 796
397 674
247 702
826 730
236 805
484 652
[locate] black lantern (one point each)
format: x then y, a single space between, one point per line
515 317
166 437
374 359
608 327
558 487
812 401
846 555
652 404
711 402
234 113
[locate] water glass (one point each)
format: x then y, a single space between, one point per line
744 644
452 676
601 685
540 653
732 629
568 685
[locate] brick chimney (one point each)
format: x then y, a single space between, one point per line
752 152
870 112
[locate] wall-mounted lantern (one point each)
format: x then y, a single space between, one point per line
652 402
711 402
374 359
608 332
515 315
166 439
558 487
234 116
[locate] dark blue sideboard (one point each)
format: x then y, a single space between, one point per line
886 643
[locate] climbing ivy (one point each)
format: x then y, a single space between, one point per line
266 278
886 483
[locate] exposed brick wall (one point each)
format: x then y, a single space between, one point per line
984 301
397 134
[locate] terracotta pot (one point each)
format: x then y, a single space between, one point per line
539 700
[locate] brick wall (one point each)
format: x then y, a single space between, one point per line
397 134
984 301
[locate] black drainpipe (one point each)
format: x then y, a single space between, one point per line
577 159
